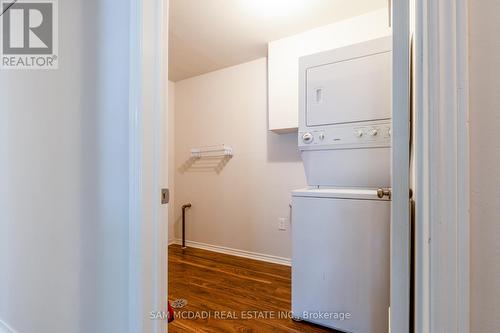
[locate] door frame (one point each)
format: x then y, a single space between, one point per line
148 224
400 209
440 34
442 167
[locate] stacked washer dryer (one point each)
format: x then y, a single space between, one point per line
341 222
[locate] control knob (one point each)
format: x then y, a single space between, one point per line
307 137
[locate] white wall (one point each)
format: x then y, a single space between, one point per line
238 207
284 57
484 52
64 180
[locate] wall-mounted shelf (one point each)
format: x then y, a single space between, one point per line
212 151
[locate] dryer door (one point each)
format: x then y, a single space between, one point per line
353 90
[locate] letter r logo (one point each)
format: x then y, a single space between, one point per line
27 28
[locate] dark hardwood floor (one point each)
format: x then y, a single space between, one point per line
230 294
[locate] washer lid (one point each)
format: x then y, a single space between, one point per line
339 193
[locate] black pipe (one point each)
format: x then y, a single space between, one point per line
184 207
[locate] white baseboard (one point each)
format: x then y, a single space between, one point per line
238 253
4 328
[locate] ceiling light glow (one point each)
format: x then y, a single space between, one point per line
275 8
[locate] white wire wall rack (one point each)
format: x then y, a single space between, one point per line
212 151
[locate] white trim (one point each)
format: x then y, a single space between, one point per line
400 208
161 10
135 295
463 161
148 237
442 157
4 328
422 194
237 252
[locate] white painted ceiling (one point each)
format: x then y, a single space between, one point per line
206 35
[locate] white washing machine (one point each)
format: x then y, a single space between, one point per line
341 259
341 223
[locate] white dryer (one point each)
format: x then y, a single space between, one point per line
345 115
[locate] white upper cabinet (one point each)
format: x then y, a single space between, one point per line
284 54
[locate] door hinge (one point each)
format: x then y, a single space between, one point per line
384 192
165 196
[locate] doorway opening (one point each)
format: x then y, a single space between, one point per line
238 149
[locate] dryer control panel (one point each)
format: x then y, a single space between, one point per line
359 135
